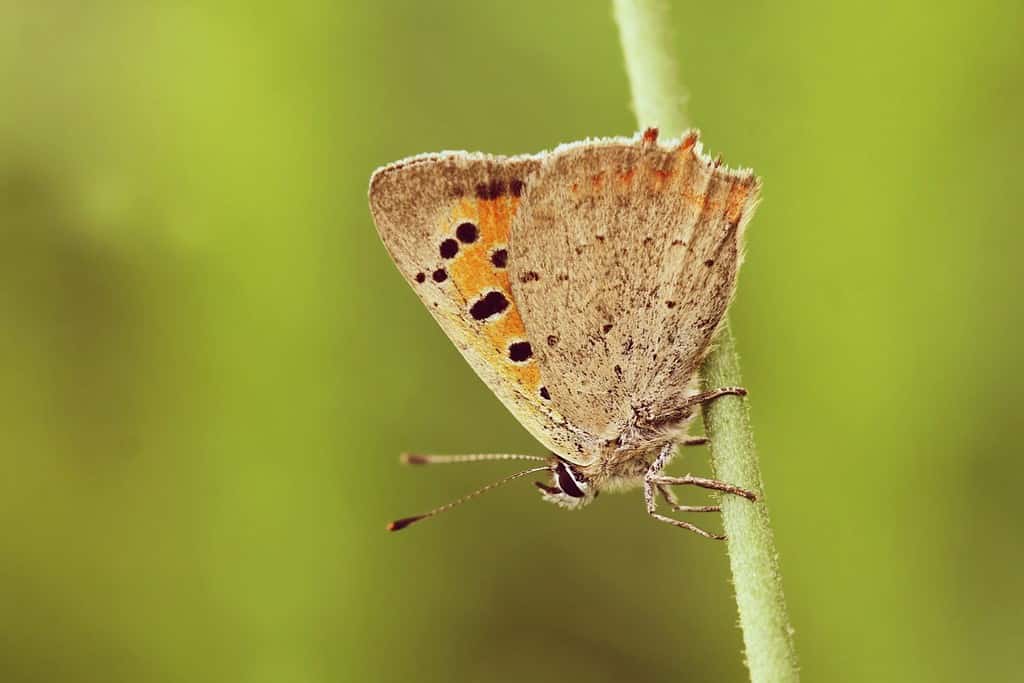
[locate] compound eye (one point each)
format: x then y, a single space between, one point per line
566 481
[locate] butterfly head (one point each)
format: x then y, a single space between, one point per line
568 488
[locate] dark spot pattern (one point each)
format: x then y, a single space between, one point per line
488 306
440 275
544 394
420 277
607 328
552 340
491 190
499 257
710 262
449 248
529 277
515 187
670 304
520 352
467 233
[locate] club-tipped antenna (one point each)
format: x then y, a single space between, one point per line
400 524
432 459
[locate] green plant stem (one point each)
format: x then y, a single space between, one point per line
658 96
767 636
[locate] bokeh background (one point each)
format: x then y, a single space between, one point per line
209 364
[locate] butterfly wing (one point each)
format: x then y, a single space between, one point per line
446 220
624 258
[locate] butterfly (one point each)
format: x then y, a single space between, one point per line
585 286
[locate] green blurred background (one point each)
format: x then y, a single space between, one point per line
209 363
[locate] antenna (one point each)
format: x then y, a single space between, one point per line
430 459
400 524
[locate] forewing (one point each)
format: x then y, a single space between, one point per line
445 219
623 260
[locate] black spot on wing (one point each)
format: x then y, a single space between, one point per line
449 248
467 233
492 190
488 306
520 352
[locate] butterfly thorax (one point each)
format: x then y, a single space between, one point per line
619 474
635 444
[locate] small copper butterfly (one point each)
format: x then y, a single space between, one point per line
584 285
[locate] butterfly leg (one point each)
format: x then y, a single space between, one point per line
686 525
650 484
706 396
673 502
713 484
